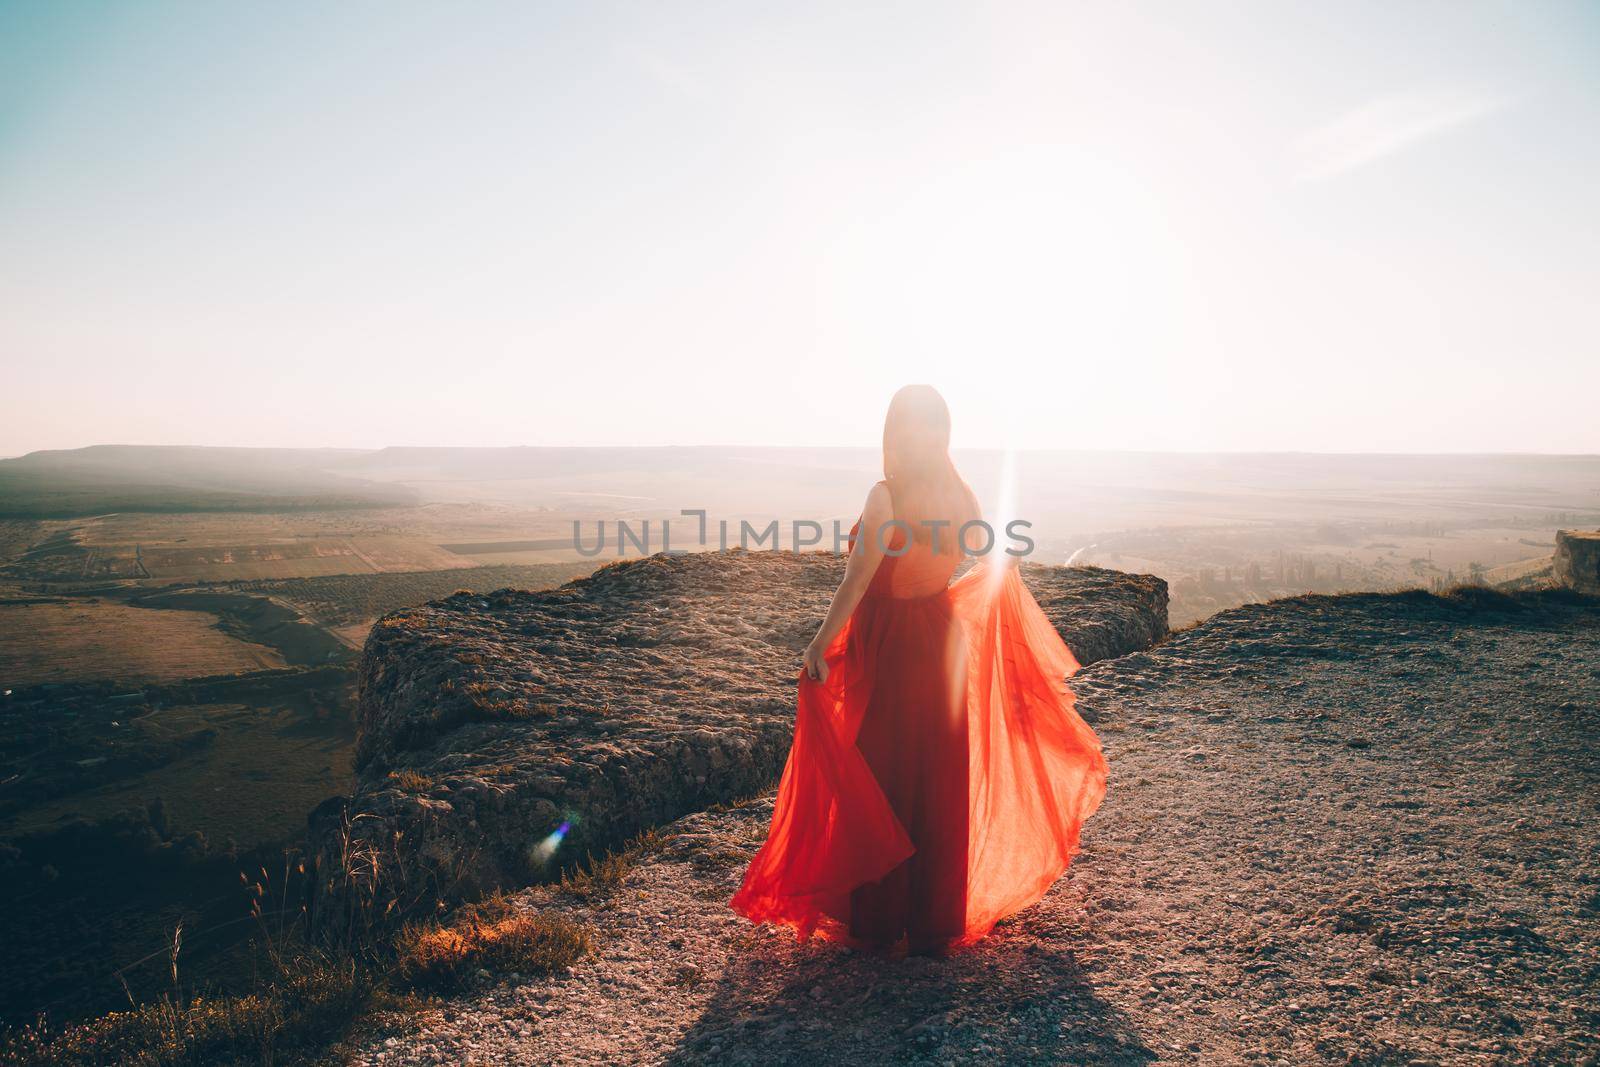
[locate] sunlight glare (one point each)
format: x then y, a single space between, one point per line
1000 516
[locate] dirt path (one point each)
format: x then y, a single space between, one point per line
1353 830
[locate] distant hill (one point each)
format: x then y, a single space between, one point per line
1080 494
104 478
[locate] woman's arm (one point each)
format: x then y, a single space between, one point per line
858 572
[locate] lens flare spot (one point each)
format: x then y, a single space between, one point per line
547 848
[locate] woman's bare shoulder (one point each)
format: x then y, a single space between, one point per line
880 501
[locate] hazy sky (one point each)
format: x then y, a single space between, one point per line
1317 226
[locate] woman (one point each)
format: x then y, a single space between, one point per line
939 773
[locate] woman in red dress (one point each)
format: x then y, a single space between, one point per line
939 774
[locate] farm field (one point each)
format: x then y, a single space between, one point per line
263 767
535 556
340 602
296 559
91 639
430 524
169 548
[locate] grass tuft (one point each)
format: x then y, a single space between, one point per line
442 959
598 878
601 878
411 781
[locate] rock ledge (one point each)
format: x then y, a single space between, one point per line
503 735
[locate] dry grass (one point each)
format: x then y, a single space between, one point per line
93 640
738 803
443 959
300 1013
411 781
310 1000
600 878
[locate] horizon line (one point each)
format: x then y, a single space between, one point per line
368 450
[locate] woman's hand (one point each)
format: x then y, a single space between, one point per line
816 666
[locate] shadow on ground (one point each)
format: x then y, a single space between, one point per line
1004 1001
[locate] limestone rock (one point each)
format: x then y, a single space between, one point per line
1577 560
502 735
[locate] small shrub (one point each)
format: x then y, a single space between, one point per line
598 879
738 803
411 781
487 698
441 959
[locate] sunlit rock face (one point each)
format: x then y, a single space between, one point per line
1577 562
501 736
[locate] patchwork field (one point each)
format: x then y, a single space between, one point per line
98 640
347 604
432 524
297 559
533 556
200 547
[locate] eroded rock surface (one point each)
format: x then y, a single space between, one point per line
1339 830
618 702
1577 560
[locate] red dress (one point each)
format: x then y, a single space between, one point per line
939 777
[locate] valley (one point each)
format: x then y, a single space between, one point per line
180 629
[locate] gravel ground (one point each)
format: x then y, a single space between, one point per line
1339 830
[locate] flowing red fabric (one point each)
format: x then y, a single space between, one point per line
939 777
